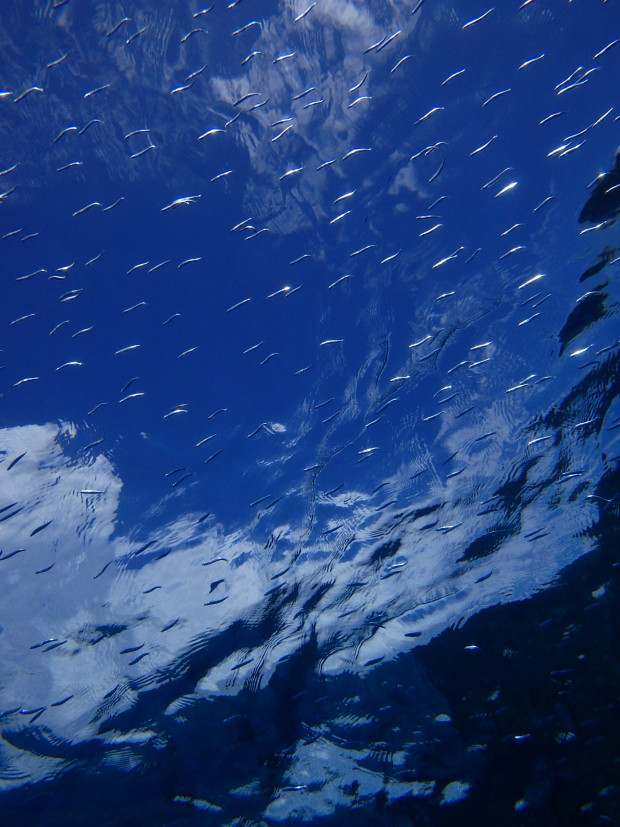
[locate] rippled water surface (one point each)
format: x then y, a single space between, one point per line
309 415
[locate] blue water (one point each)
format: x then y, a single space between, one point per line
309 456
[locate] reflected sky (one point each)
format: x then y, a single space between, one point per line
309 356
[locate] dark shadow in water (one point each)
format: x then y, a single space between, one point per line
604 258
589 310
604 203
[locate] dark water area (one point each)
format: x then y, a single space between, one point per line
309 378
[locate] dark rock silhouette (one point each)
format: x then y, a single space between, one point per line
604 203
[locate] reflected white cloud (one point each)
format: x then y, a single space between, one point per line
111 609
330 48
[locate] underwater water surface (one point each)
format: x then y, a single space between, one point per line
309 374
